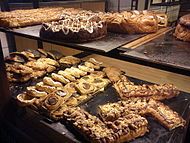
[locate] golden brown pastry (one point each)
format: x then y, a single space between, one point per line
31 91
70 60
67 75
43 87
51 82
59 78
25 99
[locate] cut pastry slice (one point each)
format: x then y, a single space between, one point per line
35 93
67 75
51 82
86 69
25 99
42 87
85 87
59 78
72 72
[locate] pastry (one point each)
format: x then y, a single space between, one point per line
131 22
31 91
85 87
48 61
59 78
43 87
92 128
16 57
78 71
69 60
182 31
113 73
20 69
20 18
67 75
51 82
25 99
52 102
81 27
73 72
128 127
164 115
86 69
157 92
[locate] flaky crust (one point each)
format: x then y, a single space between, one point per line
182 33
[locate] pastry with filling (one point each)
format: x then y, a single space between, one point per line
100 74
52 102
81 27
85 87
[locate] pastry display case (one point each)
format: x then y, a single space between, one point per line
54 97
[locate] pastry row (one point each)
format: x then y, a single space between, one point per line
31 64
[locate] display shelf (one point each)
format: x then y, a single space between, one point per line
62 132
165 50
106 44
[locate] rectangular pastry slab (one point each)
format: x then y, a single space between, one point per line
106 44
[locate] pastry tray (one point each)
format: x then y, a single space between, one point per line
157 133
165 50
106 44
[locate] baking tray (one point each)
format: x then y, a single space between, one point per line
106 44
157 133
165 50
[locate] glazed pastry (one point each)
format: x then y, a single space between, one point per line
51 82
59 78
42 87
67 75
69 60
25 99
31 91
86 69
